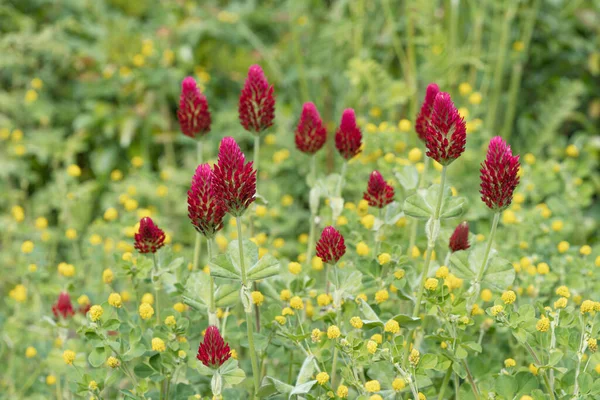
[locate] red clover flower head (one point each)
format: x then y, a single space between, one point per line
379 193
257 102
331 246
205 208
460 237
233 178
193 113
63 306
499 175
348 137
213 351
310 132
149 238
446 132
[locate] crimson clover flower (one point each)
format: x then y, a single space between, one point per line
149 238
331 246
379 193
460 237
205 209
423 117
310 132
233 178
446 133
193 114
63 306
499 175
257 104
213 351
348 137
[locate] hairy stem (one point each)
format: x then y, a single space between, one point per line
488 248
249 324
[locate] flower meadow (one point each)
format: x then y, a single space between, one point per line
393 215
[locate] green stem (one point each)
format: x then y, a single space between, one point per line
537 361
256 159
156 288
249 323
212 307
311 240
415 222
579 357
445 383
197 250
338 189
488 248
377 240
334 365
471 380
430 244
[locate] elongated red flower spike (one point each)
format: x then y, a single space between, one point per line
460 237
331 246
205 209
379 194
213 351
310 132
499 175
193 114
233 178
149 238
63 306
446 132
257 102
348 137
424 115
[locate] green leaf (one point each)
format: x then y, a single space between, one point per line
417 206
555 356
97 357
197 287
303 388
371 319
111 324
406 321
231 373
137 350
428 361
452 207
306 371
266 267
143 370
499 274
460 265
222 266
408 177
272 386
226 295
506 386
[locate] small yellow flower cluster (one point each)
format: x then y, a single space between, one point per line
588 306
257 298
158 345
342 391
398 384
280 319
324 299
18 293
322 378
414 357
371 346
170 321
543 324
30 352
146 311
495 310
372 386
113 362
333 332
560 303
356 322
315 335
442 272
431 284
69 357
392 326
107 276
381 296
563 291
66 270
95 313
384 258
509 297
296 303
114 299
592 344
509 363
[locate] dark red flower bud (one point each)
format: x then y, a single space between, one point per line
233 178
446 132
499 175
63 306
205 209
331 246
379 194
257 104
150 237
310 132
426 109
213 351
460 237
348 137
193 114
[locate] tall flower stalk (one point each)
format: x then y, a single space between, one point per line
499 178
310 136
445 140
235 181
